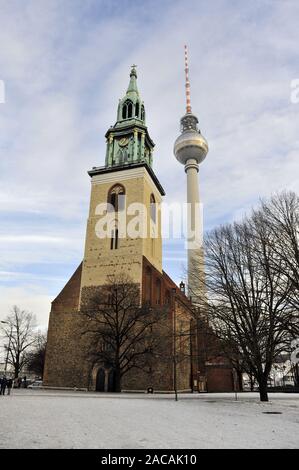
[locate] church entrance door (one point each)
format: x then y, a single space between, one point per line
105 380
100 382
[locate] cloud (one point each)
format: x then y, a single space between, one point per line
28 297
65 64
32 239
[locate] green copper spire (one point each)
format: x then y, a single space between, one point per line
128 141
131 106
132 90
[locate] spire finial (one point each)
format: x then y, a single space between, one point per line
133 70
187 85
132 88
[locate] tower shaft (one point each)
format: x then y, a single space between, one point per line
194 231
190 149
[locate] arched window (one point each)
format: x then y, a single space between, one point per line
153 208
127 111
130 109
116 197
137 109
114 239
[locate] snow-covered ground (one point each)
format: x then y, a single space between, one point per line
57 419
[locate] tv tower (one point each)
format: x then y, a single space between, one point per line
190 149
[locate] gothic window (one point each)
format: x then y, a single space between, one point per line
153 208
116 197
114 239
130 110
127 110
137 110
113 199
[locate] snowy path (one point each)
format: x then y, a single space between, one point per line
57 419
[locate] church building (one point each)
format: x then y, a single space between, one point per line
127 179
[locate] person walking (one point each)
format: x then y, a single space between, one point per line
9 386
3 385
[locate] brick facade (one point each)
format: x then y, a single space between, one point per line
66 357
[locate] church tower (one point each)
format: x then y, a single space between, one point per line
123 235
124 223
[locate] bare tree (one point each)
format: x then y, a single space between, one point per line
35 359
250 291
247 305
119 329
19 330
281 215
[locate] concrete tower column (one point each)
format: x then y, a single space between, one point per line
190 149
194 227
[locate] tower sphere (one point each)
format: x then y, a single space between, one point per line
191 144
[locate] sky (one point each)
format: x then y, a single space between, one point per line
66 63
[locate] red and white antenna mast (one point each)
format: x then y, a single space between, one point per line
187 85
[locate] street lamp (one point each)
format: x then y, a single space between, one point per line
9 341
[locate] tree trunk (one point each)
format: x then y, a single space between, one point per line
263 389
17 368
117 381
240 381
